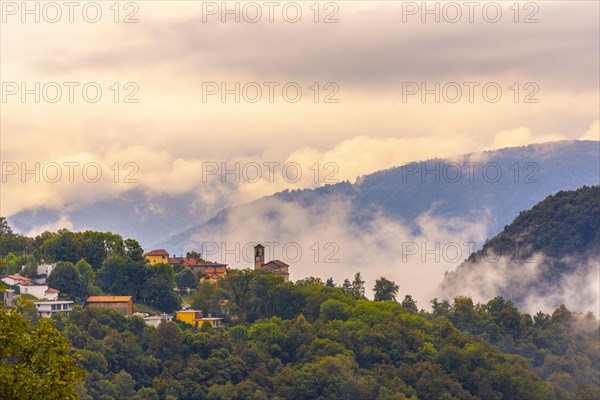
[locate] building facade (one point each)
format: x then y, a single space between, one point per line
47 309
275 267
157 256
122 303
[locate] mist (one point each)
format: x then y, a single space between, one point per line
322 240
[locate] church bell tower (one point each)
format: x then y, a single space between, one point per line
259 256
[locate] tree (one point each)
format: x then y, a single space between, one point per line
385 289
347 286
333 309
88 277
358 287
134 251
36 359
207 298
67 279
194 254
329 282
409 304
111 276
30 270
160 294
5 229
186 279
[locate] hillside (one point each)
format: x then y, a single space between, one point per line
456 189
564 224
549 250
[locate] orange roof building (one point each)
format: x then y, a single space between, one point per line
213 274
123 303
157 256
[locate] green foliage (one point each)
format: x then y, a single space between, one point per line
186 279
385 289
564 224
355 349
303 340
207 298
409 304
333 309
35 360
194 254
358 287
66 278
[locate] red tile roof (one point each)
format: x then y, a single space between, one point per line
159 252
207 264
51 290
18 277
276 264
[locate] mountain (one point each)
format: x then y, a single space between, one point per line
550 252
178 221
135 214
493 186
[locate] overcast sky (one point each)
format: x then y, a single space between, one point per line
372 59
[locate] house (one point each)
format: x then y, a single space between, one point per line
188 316
275 267
195 319
156 320
42 292
202 266
214 274
157 256
215 323
44 271
7 297
14 280
47 309
182 261
122 303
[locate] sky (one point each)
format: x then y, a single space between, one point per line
368 85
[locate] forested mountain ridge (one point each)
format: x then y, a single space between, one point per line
564 224
550 252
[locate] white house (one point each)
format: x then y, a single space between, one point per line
42 292
48 308
15 279
156 320
45 269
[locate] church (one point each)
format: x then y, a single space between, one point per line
276 267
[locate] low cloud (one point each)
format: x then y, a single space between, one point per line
531 284
321 240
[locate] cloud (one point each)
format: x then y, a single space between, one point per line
320 240
528 283
593 132
521 136
62 223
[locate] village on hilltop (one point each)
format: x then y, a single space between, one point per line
47 302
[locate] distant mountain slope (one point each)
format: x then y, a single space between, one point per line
133 214
496 185
550 252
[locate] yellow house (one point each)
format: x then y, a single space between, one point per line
188 316
157 256
195 319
